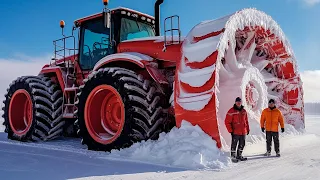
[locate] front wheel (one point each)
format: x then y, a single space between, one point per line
32 109
117 107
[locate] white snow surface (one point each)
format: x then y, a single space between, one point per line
209 26
197 78
187 147
194 101
177 155
206 47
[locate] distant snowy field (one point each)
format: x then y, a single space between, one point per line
187 153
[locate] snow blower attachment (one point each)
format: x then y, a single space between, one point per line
236 56
128 83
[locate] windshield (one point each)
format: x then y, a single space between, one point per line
95 43
131 29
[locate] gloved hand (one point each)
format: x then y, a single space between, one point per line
248 132
282 130
262 129
231 134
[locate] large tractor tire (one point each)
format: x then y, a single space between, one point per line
117 108
33 109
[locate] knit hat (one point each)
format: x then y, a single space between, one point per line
271 101
238 99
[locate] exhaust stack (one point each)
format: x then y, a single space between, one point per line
157 16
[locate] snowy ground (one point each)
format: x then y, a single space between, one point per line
70 160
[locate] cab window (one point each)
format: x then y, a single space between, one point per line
131 29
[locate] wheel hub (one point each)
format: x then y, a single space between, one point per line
254 91
104 114
20 112
252 95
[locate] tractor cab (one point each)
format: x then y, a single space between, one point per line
100 35
97 40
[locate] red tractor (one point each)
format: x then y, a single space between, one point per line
126 83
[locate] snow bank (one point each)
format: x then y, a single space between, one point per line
187 147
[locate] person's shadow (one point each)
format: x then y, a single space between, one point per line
259 156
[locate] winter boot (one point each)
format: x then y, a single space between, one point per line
267 153
278 154
233 154
233 157
240 157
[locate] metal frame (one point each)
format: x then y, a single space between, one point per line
60 54
63 48
171 30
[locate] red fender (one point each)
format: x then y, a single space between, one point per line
57 72
135 58
141 60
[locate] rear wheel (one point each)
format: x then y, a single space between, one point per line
32 109
117 107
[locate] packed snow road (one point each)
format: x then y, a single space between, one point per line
70 160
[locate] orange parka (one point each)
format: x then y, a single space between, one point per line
270 119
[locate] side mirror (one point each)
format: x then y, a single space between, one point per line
107 19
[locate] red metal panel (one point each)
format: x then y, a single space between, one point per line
286 71
152 48
58 73
156 75
206 119
291 97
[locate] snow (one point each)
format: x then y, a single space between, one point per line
251 17
68 159
199 51
261 64
134 56
206 47
131 10
197 78
236 87
194 101
206 27
119 8
186 147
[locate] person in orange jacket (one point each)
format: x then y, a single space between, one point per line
236 122
270 119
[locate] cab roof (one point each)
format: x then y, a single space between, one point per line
123 10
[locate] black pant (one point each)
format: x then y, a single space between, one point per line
275 136
242 142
